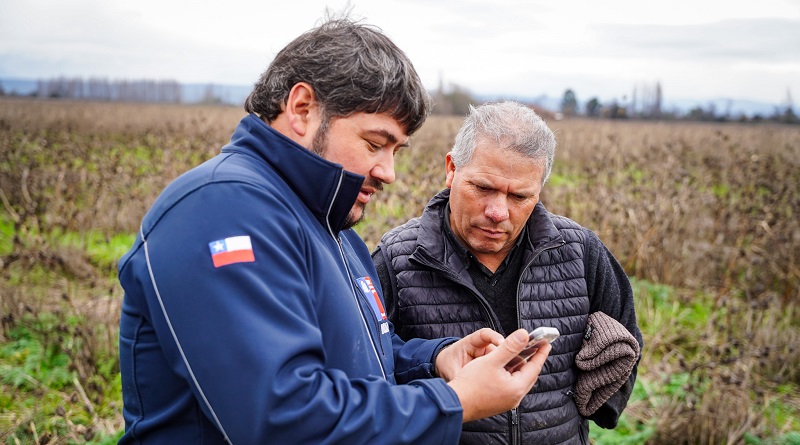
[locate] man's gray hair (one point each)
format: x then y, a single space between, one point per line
507 125
352 68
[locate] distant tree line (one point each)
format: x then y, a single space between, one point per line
454 100
646 102
124 90
451 100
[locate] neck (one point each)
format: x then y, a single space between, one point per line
493 261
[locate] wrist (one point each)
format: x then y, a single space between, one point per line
436 372
468 412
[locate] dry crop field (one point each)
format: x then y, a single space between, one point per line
702 216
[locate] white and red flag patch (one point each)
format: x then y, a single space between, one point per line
236 249
369 291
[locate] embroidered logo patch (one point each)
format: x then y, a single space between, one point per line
365 283
236 249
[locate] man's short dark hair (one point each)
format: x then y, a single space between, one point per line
352 68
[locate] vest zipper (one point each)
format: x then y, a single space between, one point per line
524 269
515 429
350 278
516 434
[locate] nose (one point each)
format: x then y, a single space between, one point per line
496 209
384 169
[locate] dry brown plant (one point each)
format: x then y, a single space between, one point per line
708 209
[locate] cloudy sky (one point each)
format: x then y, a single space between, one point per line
696 49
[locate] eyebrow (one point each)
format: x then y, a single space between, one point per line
389 136
481 182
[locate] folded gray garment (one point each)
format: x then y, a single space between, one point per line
607 357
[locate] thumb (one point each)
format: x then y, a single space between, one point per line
511 346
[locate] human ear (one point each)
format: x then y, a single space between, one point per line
302 110
450 167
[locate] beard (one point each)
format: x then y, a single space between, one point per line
352 220
357 212
320 142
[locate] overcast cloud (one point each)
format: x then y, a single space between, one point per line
696 49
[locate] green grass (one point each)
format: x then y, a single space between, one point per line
628 431
558 180
674 327
38 374
34 353
792 438
6 234
41 388
102 250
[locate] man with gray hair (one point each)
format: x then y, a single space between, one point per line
252 311
486 253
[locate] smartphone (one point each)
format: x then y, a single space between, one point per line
535 339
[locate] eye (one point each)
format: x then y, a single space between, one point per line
520 197
373 146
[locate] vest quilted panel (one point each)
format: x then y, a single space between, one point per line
435 298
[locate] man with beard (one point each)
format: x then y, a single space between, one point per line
252 312
486 253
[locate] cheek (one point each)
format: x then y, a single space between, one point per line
358 166
520 214
475 210
461 211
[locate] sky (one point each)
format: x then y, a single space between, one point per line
695 49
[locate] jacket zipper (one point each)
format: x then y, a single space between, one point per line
360 310
349 277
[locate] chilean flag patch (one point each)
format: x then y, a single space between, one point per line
236 249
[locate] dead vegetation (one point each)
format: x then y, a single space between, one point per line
709 210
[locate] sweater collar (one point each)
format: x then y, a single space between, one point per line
326 188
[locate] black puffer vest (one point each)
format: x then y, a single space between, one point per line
435 298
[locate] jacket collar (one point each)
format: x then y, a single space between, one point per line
325 187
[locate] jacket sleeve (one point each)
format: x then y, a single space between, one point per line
610 292
246 337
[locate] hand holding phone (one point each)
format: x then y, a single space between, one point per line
535 340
